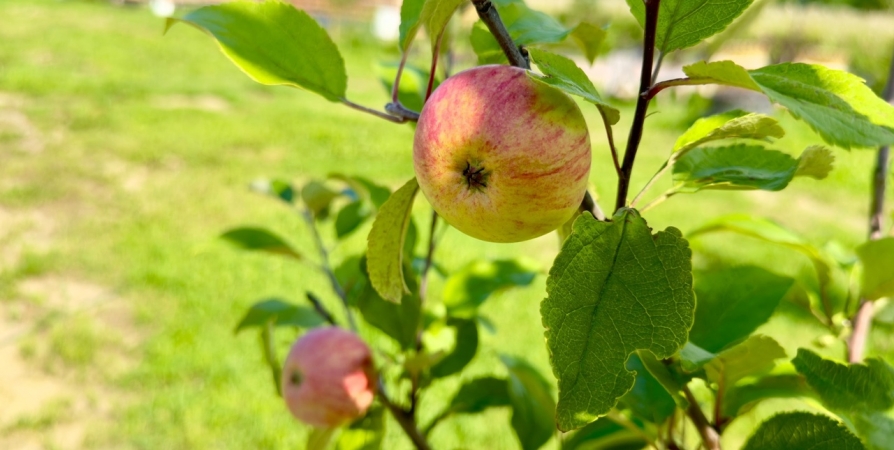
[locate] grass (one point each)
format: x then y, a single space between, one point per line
146 146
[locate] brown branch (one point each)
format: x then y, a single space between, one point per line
405 419
379 114
856 345
709 435
489 15
320 309
642 103
590 205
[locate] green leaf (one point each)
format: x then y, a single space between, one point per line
589 38
837 105
280 189
378 195
259 239
693 357
435 15
485 46
739 167
684 23
366 433
479 394
562 73
317 196
274 44
280 313
603 434
726 73
463 351
386 241
467 289
861 393
752 357
877 258
648 399
734 124
770 231
733 302
410 10
349 218
802 431
614 289
398 321
815 162
532 403
740 398
672 381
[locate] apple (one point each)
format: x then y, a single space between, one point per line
500 156
328 378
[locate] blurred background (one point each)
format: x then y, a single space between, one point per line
125 153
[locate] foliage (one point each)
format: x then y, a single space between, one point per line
623 331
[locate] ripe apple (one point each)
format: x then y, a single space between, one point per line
501 157
328 378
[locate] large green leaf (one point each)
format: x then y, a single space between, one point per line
861 393
648 399
740 398
532 403
877 258
281 313
802 431
752 357
614 289
398 321
464 349
274 44
468 288
386 241
684 23
259 239
410 10
733 302
744 166
837 105
736 124
562 73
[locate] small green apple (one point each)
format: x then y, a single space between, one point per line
501 157
328 378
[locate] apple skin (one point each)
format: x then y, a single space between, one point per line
328 378
501 157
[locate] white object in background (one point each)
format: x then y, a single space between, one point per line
386 22
162 8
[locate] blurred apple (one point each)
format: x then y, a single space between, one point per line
328 378
501 157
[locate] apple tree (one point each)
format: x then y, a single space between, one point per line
641 349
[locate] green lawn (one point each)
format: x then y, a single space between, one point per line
138 148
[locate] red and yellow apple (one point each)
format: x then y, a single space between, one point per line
328 378
501 157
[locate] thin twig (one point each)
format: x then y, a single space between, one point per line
611 142
658 200
327 268
863 320
660 86
642 103
434 66
404 418
395 87
320 309
652 180
589 204
399 110
377 113
657 67
709 435
270 355
489 15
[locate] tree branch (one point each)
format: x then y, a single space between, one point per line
320 309
396 118
489 15
404 418
642 103
709 435
856 345
327 269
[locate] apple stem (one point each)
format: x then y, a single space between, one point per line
489 15
642 103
